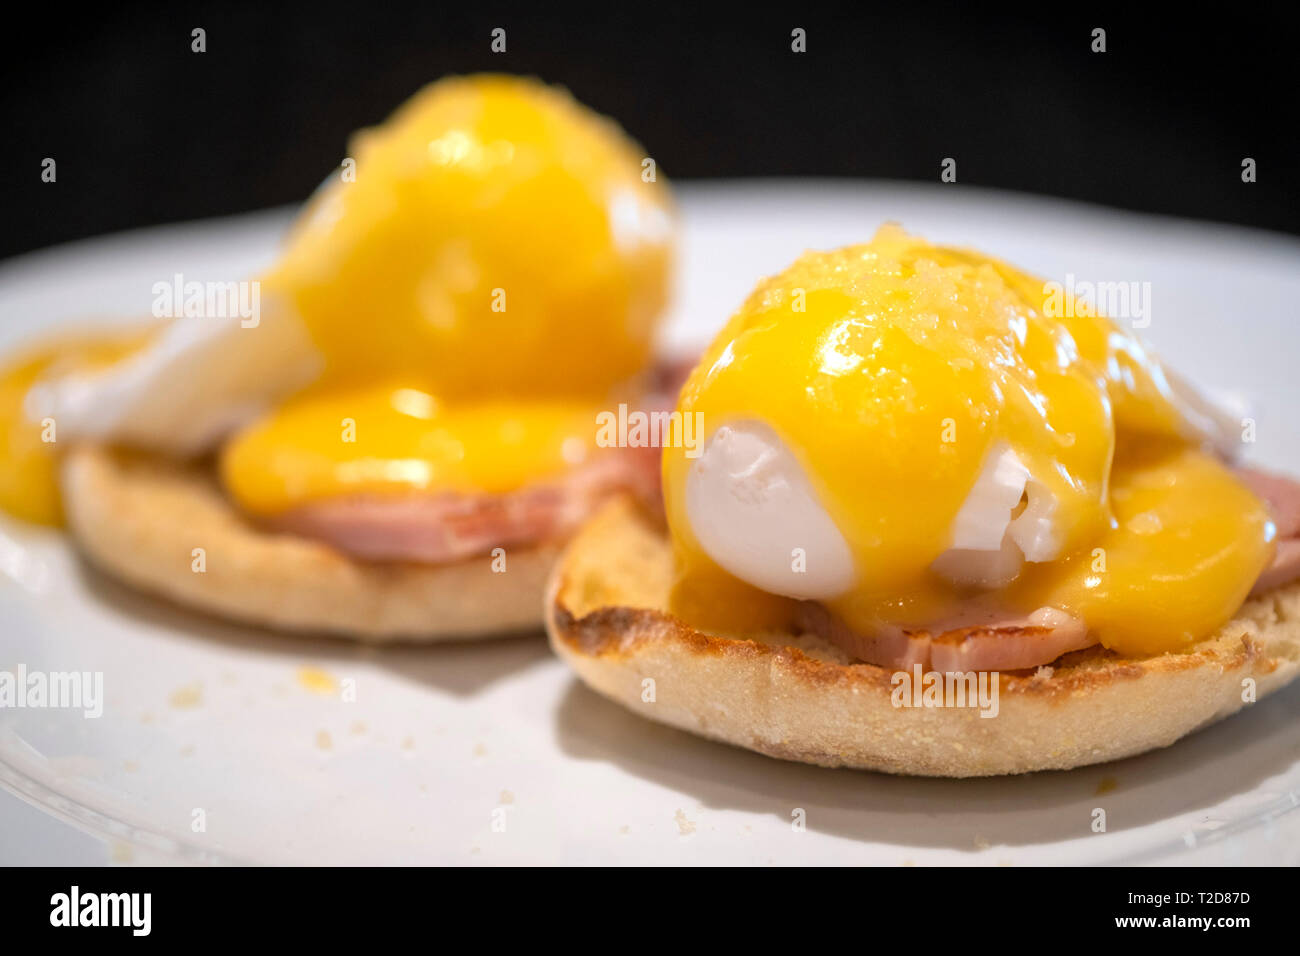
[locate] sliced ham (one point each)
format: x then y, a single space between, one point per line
1002 643
442 528
1281 494
1284 569
890 647
1010 646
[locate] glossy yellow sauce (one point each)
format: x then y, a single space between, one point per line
29 448
391 440
498 251
497 238
1187 543
892 368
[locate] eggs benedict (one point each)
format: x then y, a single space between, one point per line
919 460
395 442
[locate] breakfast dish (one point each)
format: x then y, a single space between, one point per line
946 520
388 434
205 705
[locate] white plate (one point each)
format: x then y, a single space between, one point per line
440 738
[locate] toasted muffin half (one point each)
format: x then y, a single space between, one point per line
140 518
798 697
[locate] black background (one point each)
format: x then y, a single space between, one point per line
145 131
239 908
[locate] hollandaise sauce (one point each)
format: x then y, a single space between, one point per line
495 237
29 447
390 440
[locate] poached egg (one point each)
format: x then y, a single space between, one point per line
909 434
450 311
